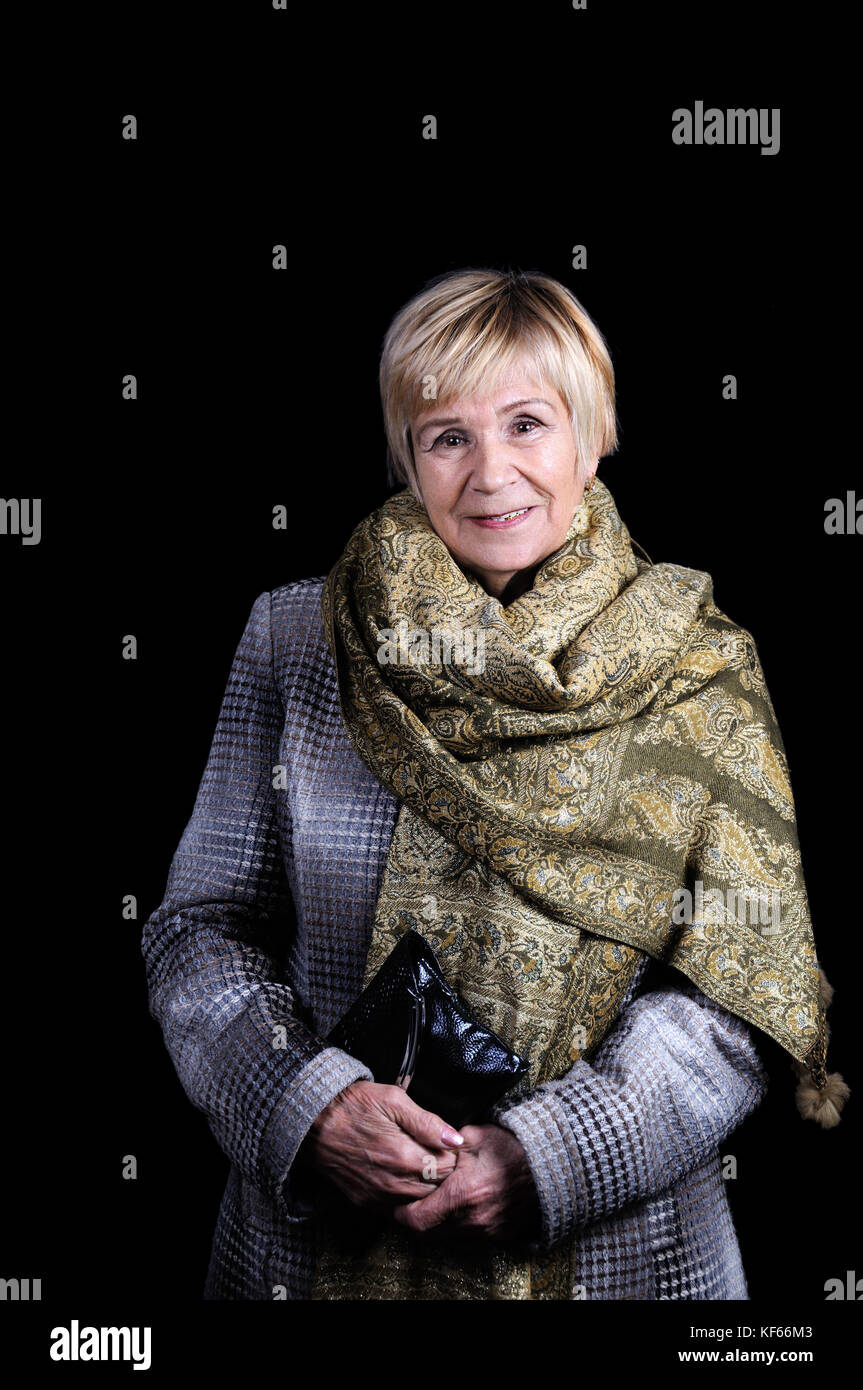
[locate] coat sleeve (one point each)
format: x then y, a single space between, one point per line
228 1017
673 1079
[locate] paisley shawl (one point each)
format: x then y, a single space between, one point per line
615 745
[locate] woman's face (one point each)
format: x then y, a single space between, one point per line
483 458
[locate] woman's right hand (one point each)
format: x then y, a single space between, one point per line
378 1146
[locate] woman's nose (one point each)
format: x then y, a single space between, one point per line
492 469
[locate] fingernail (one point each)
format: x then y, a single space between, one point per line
449 1136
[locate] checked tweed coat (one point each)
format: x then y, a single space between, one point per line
262 935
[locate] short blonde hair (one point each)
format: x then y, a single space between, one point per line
466 330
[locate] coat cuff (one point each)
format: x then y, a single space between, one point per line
554 1164
310 1091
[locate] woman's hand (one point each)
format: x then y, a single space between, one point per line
491 1193
379 1146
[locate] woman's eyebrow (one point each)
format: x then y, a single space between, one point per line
504 410
529 400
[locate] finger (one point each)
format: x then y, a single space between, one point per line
388 1160
398 1154
474 1136
424 1125
403 1155
416 1176
446 1202
397 1191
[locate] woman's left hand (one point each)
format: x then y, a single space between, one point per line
490 1192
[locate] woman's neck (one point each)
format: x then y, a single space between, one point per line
511 589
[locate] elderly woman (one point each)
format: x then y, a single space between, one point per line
568 798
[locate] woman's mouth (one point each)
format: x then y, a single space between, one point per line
503 519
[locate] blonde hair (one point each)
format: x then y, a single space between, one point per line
466 330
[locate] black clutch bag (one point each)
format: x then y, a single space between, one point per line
412 1030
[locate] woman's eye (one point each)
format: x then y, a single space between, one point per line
452 439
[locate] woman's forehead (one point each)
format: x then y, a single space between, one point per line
513 391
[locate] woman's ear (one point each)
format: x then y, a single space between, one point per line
587 474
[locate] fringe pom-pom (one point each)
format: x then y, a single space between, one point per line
820 1100
824 1105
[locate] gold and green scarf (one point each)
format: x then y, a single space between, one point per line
590 773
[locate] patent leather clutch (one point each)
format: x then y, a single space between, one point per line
412 1030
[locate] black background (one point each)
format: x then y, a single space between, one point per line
259 388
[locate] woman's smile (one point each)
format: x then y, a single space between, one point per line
504 520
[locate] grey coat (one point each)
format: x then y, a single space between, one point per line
258 947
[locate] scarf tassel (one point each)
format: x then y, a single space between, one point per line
820 1096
